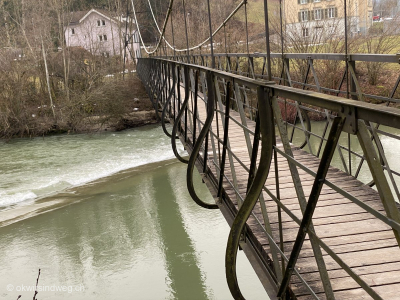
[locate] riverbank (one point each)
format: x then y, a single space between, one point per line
115 104
136 118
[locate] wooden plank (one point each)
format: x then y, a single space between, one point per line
387 292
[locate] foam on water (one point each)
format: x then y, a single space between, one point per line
31 169
12 199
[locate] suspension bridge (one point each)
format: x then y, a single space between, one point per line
313 204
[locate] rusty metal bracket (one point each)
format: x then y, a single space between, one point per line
350 115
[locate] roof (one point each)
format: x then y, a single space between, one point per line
78 16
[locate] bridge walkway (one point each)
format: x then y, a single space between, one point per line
364 243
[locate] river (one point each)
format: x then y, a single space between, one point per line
107 216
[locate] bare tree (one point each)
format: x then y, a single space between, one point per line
380 39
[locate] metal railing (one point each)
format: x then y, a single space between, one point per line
245 65
261 109
304 70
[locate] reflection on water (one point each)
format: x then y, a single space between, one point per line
180 258
136 235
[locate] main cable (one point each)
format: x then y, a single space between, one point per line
162 32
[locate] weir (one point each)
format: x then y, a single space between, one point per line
311 228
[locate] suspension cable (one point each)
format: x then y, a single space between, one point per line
162 33
186 30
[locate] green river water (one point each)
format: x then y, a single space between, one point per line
108 216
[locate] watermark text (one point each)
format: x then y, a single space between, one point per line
46 288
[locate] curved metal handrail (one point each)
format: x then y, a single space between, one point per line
197 146
267 138
178 118
157 102
171 91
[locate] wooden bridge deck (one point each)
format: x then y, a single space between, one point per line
363 242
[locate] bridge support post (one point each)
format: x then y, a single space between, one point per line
378 175
353 83
286 72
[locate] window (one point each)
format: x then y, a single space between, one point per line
72 31
103 22
317 14
318 31
100 38
331 12
105 37
303 1
317 0
305 32
98 23
303 15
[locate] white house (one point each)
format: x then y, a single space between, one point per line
101 34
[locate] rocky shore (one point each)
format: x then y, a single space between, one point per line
129 120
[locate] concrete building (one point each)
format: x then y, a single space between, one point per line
101 34
317 20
